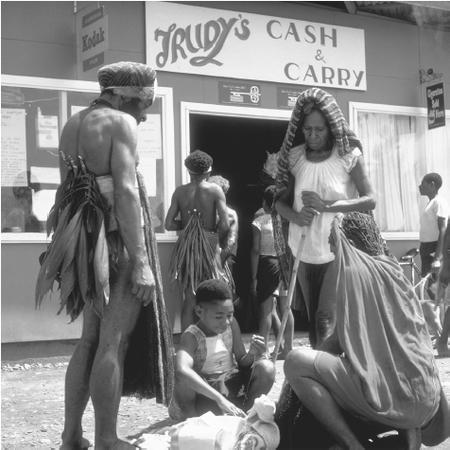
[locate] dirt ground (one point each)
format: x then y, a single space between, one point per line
32 404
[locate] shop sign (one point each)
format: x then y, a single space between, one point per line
220 43
92 39
239 93
287 97
435 106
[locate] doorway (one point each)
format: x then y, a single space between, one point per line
238 146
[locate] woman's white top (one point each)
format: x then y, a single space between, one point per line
264 224
331 180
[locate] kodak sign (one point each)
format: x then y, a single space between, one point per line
92 40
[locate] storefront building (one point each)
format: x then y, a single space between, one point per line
229 74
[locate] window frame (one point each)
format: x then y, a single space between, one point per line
361 107
65 85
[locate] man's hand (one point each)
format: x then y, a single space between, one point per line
257 346
229 408
142 282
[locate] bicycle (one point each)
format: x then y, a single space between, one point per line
432 314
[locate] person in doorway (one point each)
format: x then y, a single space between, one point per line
228 254
214 372
324 176
443 296
433 221
266 282
383 371
101 209
199 210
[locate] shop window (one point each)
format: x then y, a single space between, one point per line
34 111
398 151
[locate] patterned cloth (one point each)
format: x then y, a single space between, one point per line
201 353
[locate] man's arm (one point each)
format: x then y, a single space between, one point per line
127 205
223 225
172 223
441 224
234 228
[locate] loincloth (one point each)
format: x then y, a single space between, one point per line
196 256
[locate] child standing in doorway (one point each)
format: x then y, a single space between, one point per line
265 269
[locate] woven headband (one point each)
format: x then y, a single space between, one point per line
145 93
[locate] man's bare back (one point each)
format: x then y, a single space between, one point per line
95 131
203 197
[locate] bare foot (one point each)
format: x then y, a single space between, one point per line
82 444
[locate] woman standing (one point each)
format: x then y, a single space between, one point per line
324 176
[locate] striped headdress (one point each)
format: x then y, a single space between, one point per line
344 138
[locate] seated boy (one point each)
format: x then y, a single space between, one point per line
213 371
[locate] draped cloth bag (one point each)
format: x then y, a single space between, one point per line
382 332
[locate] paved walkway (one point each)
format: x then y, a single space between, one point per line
33 404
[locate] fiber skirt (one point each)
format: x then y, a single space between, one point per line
268 277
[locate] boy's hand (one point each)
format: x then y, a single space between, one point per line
257 346
230 408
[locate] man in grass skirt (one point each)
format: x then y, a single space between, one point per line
199 210
103 254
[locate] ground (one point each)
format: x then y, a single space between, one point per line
33 404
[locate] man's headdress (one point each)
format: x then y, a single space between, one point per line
129 79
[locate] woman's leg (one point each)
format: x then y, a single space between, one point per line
265 319
301 375
310 277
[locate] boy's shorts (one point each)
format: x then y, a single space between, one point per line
236 384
